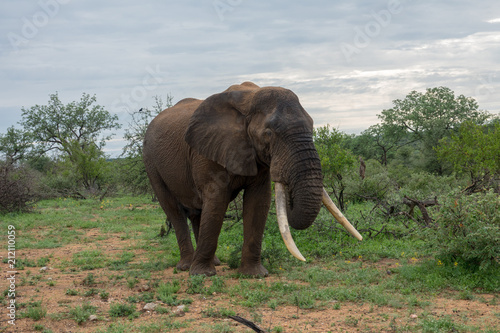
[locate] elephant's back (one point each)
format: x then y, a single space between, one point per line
165 151
169 126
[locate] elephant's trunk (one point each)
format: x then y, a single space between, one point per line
299 204
305 189
300 170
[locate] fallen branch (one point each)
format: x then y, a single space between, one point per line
422 206
247 323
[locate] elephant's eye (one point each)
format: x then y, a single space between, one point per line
267 134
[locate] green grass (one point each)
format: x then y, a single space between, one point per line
34 311
441 325
121 262
89 280
71 292
89 260
123 310
81 314
218 312
166 292
164 326
146 297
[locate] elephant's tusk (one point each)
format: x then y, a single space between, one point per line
283 222
327 201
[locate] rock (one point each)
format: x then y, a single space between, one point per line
150 307
44 269
92 318
144 287
179 312
413 316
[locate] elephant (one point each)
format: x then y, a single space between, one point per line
199 154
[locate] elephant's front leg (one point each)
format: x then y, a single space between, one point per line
212 217
256 201
195 222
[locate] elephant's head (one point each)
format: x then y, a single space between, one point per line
246 127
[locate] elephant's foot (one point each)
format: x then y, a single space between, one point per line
184 264
253 270
216 261
202 269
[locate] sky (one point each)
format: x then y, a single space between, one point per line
346 60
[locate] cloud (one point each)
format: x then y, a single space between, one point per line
197 49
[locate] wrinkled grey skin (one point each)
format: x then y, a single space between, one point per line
200 154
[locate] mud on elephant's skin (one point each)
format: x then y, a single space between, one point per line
199 154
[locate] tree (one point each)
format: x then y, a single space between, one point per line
384 139
475 151
136 177
432 115
15 144
335 160
139 124
18 184
75 130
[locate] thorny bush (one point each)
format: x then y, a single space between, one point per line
467 230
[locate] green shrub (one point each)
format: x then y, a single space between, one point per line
166 292
71 292
104 295
376 184
468 230
35 311
82 313
196 284
122 310
423 185
89 280
446 324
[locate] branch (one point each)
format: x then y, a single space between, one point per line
247 323
421 205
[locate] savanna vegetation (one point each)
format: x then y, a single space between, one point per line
422 186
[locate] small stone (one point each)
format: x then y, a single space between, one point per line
413 316
93 318
179 312
144 287
44 269
150 307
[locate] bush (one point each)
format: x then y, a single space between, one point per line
18 187
82 313
468 230
166 292
61 178
423 185
123 310
377 183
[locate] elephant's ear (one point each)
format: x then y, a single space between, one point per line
218 131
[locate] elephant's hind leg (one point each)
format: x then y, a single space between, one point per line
176 215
